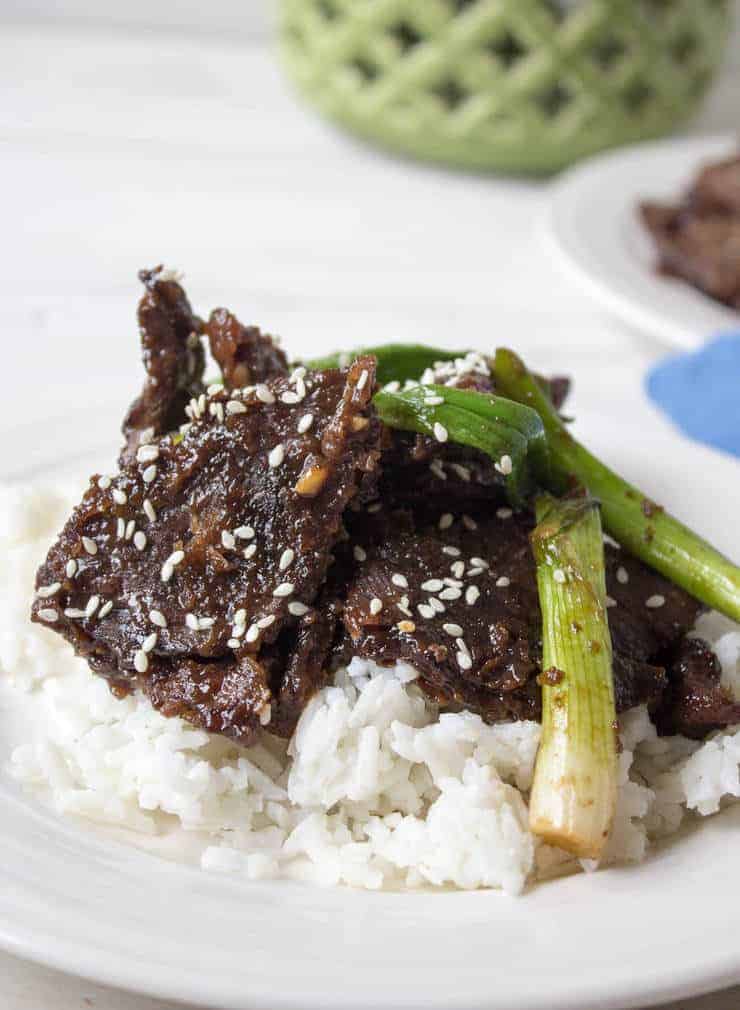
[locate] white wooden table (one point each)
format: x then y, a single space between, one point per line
124 143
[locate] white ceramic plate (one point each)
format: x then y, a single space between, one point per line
73 897
591 221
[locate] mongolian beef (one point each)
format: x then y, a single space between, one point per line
262 530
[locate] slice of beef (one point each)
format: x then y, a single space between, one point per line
245 355
202 549
695 703
717 187
173 358
483 650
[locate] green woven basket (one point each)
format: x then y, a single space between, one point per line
512 85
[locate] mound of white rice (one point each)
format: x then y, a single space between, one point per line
376 788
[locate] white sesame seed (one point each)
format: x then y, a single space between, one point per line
286 559
297 374
204 623
400 580
244 532
653 602
235 407
202 402
228 541
451 552
215 387
290 397
451 593
147 453
374 507
458 569
90 546
48 614
471 595
456 583
453 629
297 609
473 573
141 661
175 558
149 510
610 601
240 617
233 643
362 380
445 521
71 568
407 626
469 523
263 393
284 589
253 633
623 575
276 455
139 540
305 423
149 474
167 572
192 621
503 581
120 528
437 469
359 553
92 605
130 528
149 642
217 410
426 611
479 562
74 612
463 660
440 432
376 605
250 551
44 592
158 618
104 482
462 472
265 622
432 585
105 609
506 465
265 715
559 575
437 605
504 513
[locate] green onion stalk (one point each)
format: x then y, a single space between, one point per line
574 792
396 362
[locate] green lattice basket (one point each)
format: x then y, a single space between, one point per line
512 85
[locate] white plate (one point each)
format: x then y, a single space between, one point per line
592 223
75 899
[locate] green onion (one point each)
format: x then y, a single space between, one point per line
396 362
574 792
642 527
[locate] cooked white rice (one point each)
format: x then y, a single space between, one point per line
376 788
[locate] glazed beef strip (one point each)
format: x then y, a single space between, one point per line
178 572
245 355
173 358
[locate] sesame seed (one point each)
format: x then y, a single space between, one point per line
505 465
149 642
623 575
74 612
141 661
453 629
305 423
286 559
426 611
204 623
400 580
469 523
158 618
437 469
297 609
175 558
240 617
359 553
504 513
90 546
362 380
479 562
432 585
437 605
407 626
374 507
653 602
376 605
265 622
92 605
462 646
263 393
265 715
217 410
130 528
290 397
215 387
149 474
440 432
610 601
250 551
147 453
202 402
149 510
104 482
559 575
192 621
253 633
448 581
462 472
244 532
276 456
434 401
463 660
44 592
451 552
105 609
235 407
139 540
473 573
233 643
451 593
120 528
445 521
284 589
71 568
471 595
48 614
458 569
503 581
167 572
227 539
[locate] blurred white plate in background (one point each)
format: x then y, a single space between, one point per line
592 223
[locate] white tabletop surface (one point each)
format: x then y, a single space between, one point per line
125 143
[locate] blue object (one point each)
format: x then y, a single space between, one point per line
700 392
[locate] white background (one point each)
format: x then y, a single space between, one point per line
139 132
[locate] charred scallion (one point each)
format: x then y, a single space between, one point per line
575 783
